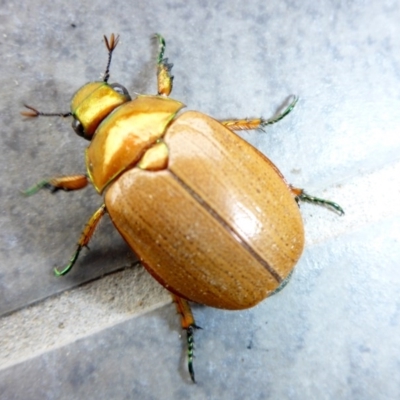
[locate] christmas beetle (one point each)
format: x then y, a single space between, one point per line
210 217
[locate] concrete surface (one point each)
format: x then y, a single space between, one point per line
107 330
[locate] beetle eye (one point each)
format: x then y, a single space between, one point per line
120 89
78 128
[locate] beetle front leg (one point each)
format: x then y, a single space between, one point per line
86 235
164 77
300 195
187 322
257 123
67 183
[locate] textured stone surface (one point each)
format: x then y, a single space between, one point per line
334 332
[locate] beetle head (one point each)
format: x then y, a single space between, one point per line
94 102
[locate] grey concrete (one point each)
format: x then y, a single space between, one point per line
334 331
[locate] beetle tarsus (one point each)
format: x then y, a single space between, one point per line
190 351
189 325
164 77
70 264
247 124
65 183
35 188
326 203
289 108
162 44
84 239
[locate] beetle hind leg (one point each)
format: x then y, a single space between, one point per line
188 323
301 195
258 123
164 77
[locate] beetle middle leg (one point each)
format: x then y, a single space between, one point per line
257 123
301 195
187 322
84 239
164 77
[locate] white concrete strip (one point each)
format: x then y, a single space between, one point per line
71 315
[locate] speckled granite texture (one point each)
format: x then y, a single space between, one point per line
334 331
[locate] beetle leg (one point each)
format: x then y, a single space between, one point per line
187 322
67 183
164 77
86 235
300 195
257 123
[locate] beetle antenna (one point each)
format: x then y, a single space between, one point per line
33 113
111 45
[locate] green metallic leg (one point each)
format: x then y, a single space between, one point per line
257 123
84 239
187 322
71 182
66 183
300 195
164 77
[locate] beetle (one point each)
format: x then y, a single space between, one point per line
211 218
